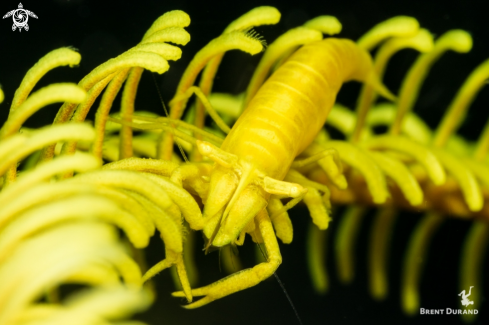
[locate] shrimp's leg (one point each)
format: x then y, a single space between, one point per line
319 206
280 220
207 104
329 161
219 156
246 278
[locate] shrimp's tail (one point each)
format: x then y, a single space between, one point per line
374 81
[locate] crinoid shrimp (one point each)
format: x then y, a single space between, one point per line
252 167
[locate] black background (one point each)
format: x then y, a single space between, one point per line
104 29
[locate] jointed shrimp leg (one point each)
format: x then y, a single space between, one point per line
205 102
246 278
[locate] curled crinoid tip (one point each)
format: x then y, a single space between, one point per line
329 25
253 34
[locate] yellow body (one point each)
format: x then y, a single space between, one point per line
292 106
279 123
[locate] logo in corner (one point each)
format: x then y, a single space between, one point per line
465 300
452 311
20 17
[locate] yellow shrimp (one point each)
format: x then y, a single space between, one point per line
281 120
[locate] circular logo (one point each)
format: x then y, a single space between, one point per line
20 17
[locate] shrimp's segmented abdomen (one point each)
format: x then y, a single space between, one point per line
291 107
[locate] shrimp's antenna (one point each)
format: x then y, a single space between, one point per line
167 115
283 289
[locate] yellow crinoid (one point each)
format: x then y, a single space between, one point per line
67 188
57 229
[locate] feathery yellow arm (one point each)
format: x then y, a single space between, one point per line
471 262
149 187
400 26
43 97
358 159
328 25
44 193
31 222
256 17
58 253
230 106
422 41
343 119
401 175
482 146
150 61
476 241
165 51
316 255
165 221
455 40
22 145
127 180
455 114
413 126
154 166
99 77
420 153
79 162
236 40
414 260
345 242
189 208
167 28
57 58
465 178
378 251
102 303
175 18
101 115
